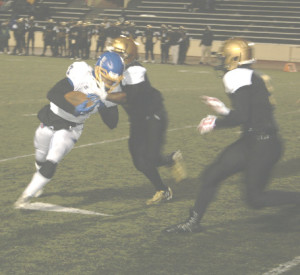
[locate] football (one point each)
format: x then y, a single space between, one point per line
76 98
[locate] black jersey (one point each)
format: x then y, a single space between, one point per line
142 99
249 93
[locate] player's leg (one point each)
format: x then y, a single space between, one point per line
157 126
263 157
143 162
51 147
232 160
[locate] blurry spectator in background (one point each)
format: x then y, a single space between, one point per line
18 28
1 38
164 40
31 27
113 31
48 37
128 29
206 44
149 40
61 39
5 36
86 40
174 39
74 39
132 30
184 44
101 39
123 16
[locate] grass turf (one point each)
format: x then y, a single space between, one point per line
98 175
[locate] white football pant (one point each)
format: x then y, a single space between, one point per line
53 146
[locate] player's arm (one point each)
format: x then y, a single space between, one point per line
110 116
118 97
240 111
57 92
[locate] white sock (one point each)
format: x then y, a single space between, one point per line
38 181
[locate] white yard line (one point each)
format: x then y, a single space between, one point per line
40 206
284 267
97 143
116 140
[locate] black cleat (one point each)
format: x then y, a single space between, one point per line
191 225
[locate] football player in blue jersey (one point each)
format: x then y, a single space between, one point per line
61 123
259 147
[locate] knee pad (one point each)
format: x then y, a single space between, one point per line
48 169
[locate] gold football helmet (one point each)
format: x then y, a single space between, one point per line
235 52
126 47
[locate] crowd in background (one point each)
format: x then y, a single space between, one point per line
73 39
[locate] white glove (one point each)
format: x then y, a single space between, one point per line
101 92
217 105
207 124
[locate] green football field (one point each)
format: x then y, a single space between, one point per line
98 176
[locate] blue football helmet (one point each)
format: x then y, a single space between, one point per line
109 70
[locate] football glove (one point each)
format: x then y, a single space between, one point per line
93 97
217 105
102 94
96 99
82 109
207 124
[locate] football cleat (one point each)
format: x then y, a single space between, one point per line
22 201
191 225
178 168
160 196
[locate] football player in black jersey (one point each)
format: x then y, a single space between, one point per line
148 121
259 147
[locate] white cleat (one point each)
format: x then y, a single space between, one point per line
22 202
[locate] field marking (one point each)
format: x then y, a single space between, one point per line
97 143
40 206
120 139
195 72
284 267
29 115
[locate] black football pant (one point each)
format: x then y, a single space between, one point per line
255 157
145 145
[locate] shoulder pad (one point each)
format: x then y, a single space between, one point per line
78 72
237 78
134 75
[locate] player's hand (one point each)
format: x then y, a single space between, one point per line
102 94
82 109
217 105
207 124
96 99
93 97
